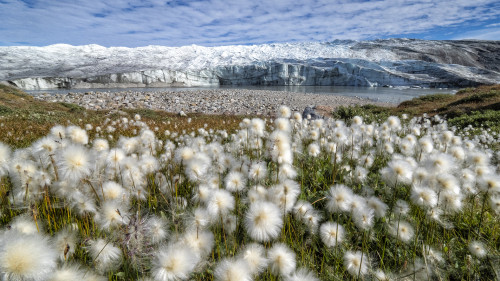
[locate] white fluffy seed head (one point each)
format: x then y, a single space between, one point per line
174 262
107 257
235 181
356 263
302 274
5 153
68 273
379 207
424 196
258 171
77 135
282 124
197 167
231 269
426 144
301 208
363 218
183 154
26 257
478 158
339 199
495 204
477 249
450 202
297 117
490 183
401 207
65 243
100 145
440 163
284 111
255 256
112 214
313 149
393 122
263 221
157 229
200 241
59 132
26 225
148 164
401 230
331 233
397 171
113 191
220 203
282 259
74 163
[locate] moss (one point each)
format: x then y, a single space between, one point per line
428 99
488 119
14 91
370 113
143 112
5 110
477 98
411 103
72 107
435 97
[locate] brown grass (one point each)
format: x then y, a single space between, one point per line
24 119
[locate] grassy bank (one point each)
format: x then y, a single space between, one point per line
477 107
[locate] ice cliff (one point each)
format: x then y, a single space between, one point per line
391 62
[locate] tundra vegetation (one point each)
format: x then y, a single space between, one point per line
404 193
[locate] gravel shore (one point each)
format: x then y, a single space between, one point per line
240 101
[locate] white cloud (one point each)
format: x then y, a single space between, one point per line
219 22
482 34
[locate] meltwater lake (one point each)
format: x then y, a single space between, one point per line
380 94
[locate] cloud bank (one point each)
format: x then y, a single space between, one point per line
216 22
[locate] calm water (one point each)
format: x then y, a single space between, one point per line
392 95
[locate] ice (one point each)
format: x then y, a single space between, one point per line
392 62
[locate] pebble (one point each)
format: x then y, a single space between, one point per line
214 101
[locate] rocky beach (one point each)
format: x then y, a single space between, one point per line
229 102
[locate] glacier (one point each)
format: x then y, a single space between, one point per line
389 62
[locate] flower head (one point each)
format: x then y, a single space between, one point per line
74 163
356 263
282 259
26 257
302 275
255 256
331 233
220 203
106 256
339 198
230 269
401 230
477 249
174 262
263 221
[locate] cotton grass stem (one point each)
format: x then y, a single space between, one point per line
485 197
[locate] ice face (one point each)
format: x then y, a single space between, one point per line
393 62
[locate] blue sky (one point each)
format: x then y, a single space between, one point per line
133 23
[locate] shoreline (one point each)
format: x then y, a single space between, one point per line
215 102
